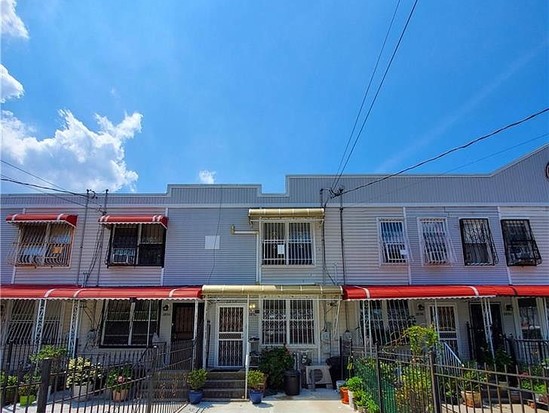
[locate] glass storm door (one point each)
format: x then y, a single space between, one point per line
230 352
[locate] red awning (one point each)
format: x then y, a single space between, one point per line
134 219
14 291
380 292
45 218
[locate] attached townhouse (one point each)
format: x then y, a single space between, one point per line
315 269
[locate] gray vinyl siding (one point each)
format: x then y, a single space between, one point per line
456 272
539 223
361 245
189 263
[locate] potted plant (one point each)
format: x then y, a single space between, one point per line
8 384
119 382
344 393
28 390
256 384
81 377
471 386
196 380
56 354
274 362
354 384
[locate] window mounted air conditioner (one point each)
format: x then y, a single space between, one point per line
318 375
122 259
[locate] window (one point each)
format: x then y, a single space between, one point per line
43 245
392 242
529 319
478 246
287 243
435 242
520 246
137 244
21 322
129 323
288 322
385 320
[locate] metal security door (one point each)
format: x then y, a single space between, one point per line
443 317
230 351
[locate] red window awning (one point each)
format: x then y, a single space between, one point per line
16 291
134 219
380 292
42 218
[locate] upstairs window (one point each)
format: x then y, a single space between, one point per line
43 244
137 244
392 242
435 244
520 246
287 243
478 245
129 323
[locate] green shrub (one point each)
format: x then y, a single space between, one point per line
256 380
274 362
354 383
196 379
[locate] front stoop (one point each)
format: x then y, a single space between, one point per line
225 385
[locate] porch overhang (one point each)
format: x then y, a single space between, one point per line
275 213
270 290
404 292
64 292
134 219
42 219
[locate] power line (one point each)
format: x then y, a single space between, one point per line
443 154
377 91
31 174
366 93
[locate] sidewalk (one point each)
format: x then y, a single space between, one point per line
308 401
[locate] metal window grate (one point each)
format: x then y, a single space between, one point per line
287 243
21 323
520 245
42 244
393 242
129 323
288 322
137 244
435 242
384 321
478 245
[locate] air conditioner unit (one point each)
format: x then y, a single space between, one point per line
122 259
317 375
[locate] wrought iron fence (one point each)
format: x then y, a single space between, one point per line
399 382
149 381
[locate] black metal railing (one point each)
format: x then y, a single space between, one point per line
528 352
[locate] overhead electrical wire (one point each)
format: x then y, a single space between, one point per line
445 153
366 92
376 94
31 174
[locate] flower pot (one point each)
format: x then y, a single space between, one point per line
195 396
344 394
120 395
351 399
82 391
27 400
256 396
9 396
472 398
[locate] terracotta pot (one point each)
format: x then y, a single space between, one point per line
344 394
472 398
119 395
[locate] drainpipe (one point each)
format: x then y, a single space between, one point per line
100 252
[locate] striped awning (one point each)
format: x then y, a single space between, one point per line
64 292
134 219
42 218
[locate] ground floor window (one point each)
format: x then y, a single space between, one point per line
383 322
129 323
288 322
21 322
529 319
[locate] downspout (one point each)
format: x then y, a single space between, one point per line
205 334
100 252
81 247
195 332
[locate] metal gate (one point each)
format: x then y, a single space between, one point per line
230 351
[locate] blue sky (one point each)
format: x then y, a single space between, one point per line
135 95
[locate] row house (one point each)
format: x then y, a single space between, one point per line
331 262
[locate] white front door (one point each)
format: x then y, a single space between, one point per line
230 336
443 318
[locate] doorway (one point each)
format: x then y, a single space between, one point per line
230 336
477 336
181 350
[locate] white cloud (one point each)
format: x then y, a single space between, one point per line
11 23
207 177
76 157
10 87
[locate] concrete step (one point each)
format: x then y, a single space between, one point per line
224 394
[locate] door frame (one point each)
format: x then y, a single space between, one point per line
454 307
216 332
